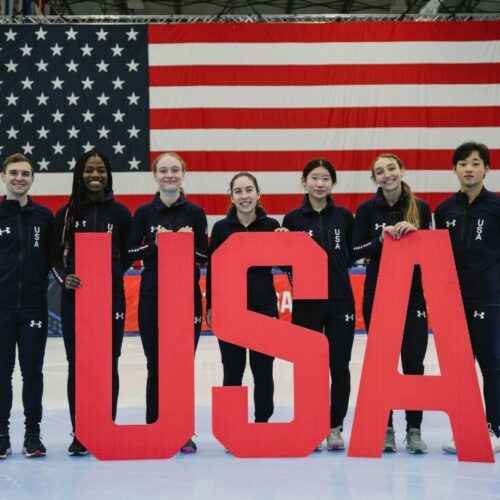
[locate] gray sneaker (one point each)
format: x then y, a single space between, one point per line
390 440
414 442
334 440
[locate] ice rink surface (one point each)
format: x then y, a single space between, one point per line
214 474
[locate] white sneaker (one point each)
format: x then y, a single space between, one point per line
450 447
495 441
334 440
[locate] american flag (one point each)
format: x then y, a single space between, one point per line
262 97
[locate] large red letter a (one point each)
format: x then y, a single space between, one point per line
382 387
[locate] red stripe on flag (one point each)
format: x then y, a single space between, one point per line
291 118
355 74
279 161
54 202
389 31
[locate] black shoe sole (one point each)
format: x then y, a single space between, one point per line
78 453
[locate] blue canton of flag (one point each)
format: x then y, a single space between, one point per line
66 90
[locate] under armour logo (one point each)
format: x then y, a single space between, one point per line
155 229
78 224
310 233
349 317
119 315
5 230
34 323
479 314
451 223
197 319
380 226
421 314
110 228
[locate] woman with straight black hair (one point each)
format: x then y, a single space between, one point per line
331 227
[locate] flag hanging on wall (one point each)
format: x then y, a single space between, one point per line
261 97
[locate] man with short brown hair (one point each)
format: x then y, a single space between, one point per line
25 230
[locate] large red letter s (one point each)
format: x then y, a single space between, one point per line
94 425
382 387
308 350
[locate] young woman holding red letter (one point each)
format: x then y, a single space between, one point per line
91 208
169 211
395 211
331 227
245 215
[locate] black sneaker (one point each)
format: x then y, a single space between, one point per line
5 448
189 447
76 449
33 446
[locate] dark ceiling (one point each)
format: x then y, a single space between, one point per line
283 7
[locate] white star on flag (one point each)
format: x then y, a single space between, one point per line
133 132
87 83
11 35
42 132
58 148
101 35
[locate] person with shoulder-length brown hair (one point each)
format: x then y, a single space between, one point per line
246 215
395 211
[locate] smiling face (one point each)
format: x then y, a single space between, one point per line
95 176
388 174
318 184
18 178
169 174
244 195
471 171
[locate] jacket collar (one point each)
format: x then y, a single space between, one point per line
307 207
233 217
14 206
160 206
107 198
463 198
382 202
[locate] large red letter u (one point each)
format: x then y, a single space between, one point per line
94 425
